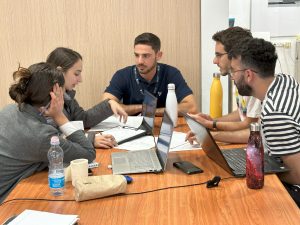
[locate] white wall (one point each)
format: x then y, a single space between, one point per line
282 24
240 10
280 20
214 17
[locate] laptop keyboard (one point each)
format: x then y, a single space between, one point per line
143 159
236 159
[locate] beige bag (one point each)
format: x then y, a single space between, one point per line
99 186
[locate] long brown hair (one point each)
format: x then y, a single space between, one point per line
63 57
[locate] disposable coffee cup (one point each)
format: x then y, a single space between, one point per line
79 169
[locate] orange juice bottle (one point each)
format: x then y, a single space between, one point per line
216 97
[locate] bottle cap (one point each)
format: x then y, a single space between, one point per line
171 86
254 127
54 140
217 75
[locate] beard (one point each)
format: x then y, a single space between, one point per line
224 69
145 70
243 88
225 73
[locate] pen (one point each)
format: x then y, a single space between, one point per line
45 108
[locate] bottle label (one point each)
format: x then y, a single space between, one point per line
56 182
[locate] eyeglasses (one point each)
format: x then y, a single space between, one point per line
231 73
219 55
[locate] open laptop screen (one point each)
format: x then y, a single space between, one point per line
149 108
164 140
207 143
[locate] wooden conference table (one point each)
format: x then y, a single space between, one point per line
229 203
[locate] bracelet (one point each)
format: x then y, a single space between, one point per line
214 124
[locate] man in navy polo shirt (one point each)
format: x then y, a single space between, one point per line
128 84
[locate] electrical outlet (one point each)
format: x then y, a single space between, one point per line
278 44
282 44
287 45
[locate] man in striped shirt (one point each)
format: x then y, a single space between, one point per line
253 71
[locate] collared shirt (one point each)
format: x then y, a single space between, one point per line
125 87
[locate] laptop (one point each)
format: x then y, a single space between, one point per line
145 161
125 133
231 160
148 112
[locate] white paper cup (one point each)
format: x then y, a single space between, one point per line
79 169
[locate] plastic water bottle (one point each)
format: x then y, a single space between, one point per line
171 104
56 176
255 158
216 97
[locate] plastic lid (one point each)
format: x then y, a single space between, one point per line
54 140
171 86
254 127
217 75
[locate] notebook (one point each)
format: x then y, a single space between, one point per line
125 133
231 160
145 161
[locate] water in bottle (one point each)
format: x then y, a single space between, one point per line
56 177
255 158
171 104
216 97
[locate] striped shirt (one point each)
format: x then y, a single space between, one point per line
280 116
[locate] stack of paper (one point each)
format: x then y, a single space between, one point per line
112 122
34 217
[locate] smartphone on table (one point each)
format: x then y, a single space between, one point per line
187 167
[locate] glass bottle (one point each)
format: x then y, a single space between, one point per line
255 158
216 97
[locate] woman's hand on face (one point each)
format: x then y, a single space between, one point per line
57 102
105 141
118 110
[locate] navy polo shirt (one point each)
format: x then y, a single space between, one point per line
124 86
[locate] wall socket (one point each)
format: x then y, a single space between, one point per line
282 44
